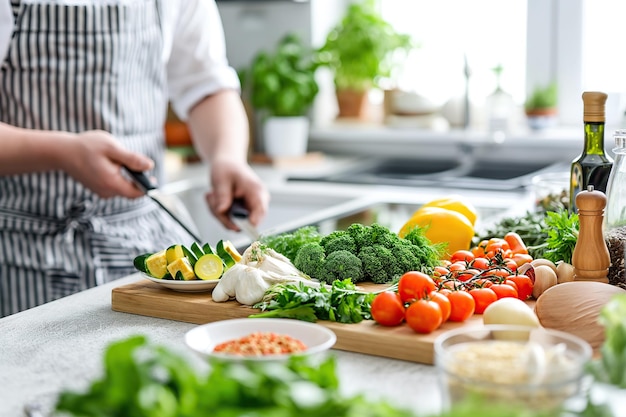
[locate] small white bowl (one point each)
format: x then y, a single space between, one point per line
195 285
203 339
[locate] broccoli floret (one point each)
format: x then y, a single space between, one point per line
310 259
341 265
380 235
339 240
360 234
379 264
406 257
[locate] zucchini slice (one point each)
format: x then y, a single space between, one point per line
181 269
140 262
196 249
156 264
232 250
190 256
209 267
174 252
223 253
207 249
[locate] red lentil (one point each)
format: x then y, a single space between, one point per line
259 344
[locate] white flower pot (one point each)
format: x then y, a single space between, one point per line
286 136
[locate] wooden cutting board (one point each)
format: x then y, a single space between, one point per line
150 299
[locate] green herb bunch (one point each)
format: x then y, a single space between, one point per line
143 380
340 302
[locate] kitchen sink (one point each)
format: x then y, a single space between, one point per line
465 174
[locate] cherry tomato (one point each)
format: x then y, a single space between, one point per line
462 305
387 309
456 268
444 304
504 290
440 271
511 283
480 263
511 264
482 297
524 285
462 255
483 283
516 243
423 316
414 285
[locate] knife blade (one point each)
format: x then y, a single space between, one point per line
145 184
239 214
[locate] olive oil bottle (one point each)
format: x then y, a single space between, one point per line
593 166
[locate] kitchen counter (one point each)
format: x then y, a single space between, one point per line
59 346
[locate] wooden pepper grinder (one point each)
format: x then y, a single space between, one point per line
591 258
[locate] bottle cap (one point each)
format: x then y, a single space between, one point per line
620 138
594 106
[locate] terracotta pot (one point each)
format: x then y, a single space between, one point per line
353 104
541 118
177 134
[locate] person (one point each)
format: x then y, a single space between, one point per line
84 90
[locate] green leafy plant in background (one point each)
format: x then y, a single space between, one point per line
542 98
359 49
282 83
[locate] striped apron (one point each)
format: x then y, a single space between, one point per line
76 68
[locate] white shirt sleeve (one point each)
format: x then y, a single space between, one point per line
6 27
197 65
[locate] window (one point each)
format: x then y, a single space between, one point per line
575 42
487 33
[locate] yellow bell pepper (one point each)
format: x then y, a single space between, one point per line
458 204
442 226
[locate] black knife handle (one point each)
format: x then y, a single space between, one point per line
238 209
141 180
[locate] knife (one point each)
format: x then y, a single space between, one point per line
145 184
239 214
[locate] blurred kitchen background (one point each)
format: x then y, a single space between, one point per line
486 99
536 42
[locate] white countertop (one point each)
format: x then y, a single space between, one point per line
60 345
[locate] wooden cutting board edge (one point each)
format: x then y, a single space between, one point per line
400 342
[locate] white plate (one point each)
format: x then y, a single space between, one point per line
203 339
184 286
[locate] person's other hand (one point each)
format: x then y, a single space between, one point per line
230 180
96 160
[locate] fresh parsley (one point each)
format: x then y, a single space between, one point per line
341 302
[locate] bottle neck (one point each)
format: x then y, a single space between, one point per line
594 138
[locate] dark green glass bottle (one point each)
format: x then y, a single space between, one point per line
593 166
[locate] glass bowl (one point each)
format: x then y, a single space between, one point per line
529 367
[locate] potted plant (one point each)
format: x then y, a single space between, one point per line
281 88
359 50
541 107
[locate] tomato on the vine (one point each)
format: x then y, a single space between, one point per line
482 297
424 316
387 309
444 303
524 285
504 290
414 285
462 255
480 263
462 305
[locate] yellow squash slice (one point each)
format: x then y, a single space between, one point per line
209 267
